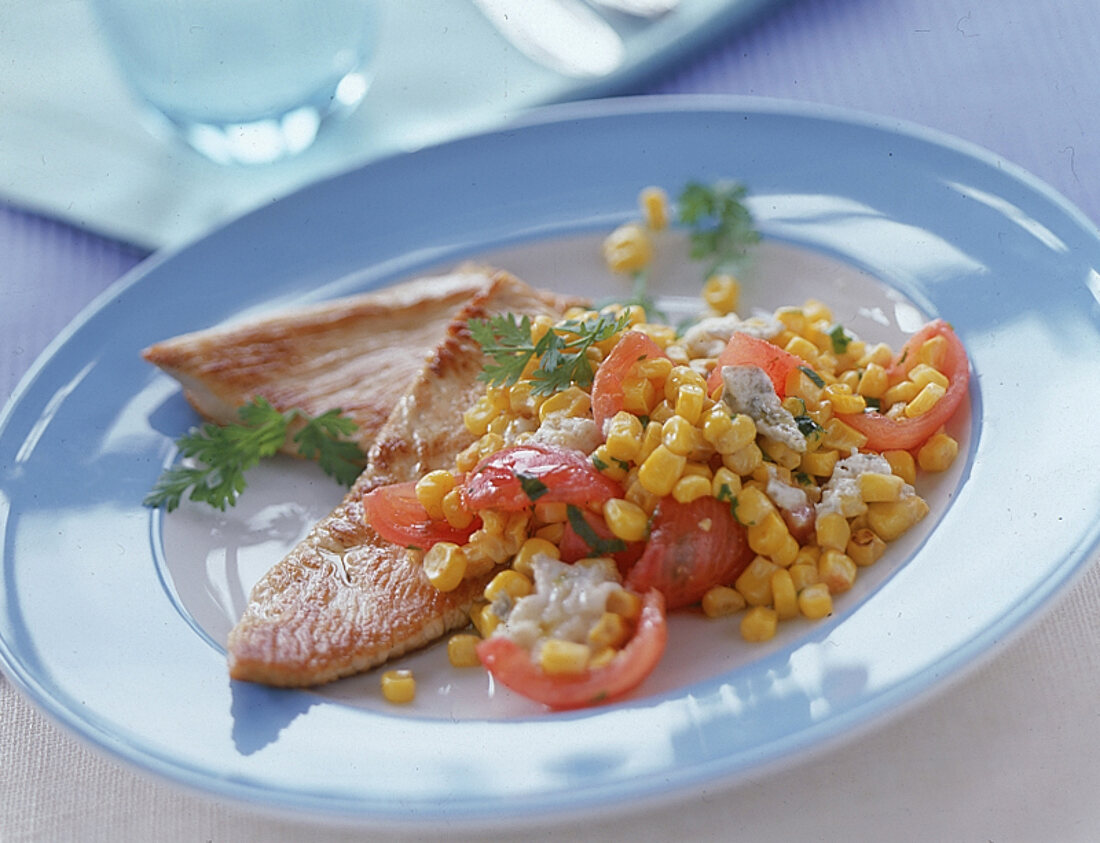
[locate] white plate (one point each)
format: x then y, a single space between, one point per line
113 618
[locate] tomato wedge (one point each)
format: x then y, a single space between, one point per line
607 386
516 477
511 665
692 547
745 350
885 433
397 515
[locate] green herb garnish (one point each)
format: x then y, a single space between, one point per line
221 454
817 380
722 227
532 486
840 339
595 543
561 352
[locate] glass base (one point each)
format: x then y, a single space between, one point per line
271 138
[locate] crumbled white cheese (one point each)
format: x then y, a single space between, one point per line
784 495
567 602
564 431
707 337
750 391
841 493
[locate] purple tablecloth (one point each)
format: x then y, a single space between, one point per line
1012 752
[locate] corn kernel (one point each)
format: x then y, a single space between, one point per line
462 650
755 582
819 463
832 531
638 494
725 433
938 453
430 490
890 520
624 436
639 395
722 293
803 575
573 402
689 402
626 520
479 415
398 686
752 506
923 374
625 603
841 436
874 381
679 436
445 565
784 596
803 386
558 657
925 400
454 510
510 582
768 535
532 547
786 553
802 347
611 630
608 465
836 570
744 460
780 453
725 485
865 547
759 624
627 249
651 438
654 205
900 393
815 602
691 487
902 464
874 486
844 401
721 600
933 351
660 471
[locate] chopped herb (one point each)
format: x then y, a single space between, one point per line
532 486
561 352
725 493
802 478
806 425
813 376
873 403
840 339
223 453
595 543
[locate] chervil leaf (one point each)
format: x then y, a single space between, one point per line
218 456
321 440
561 352
722 228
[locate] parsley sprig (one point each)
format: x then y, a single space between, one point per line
722 228
217 456
561 352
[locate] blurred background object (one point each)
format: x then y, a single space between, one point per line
249 81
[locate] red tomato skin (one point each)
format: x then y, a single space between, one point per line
512 666
682 560
397 516
567 475
573 547
744 350
909 434
607 386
